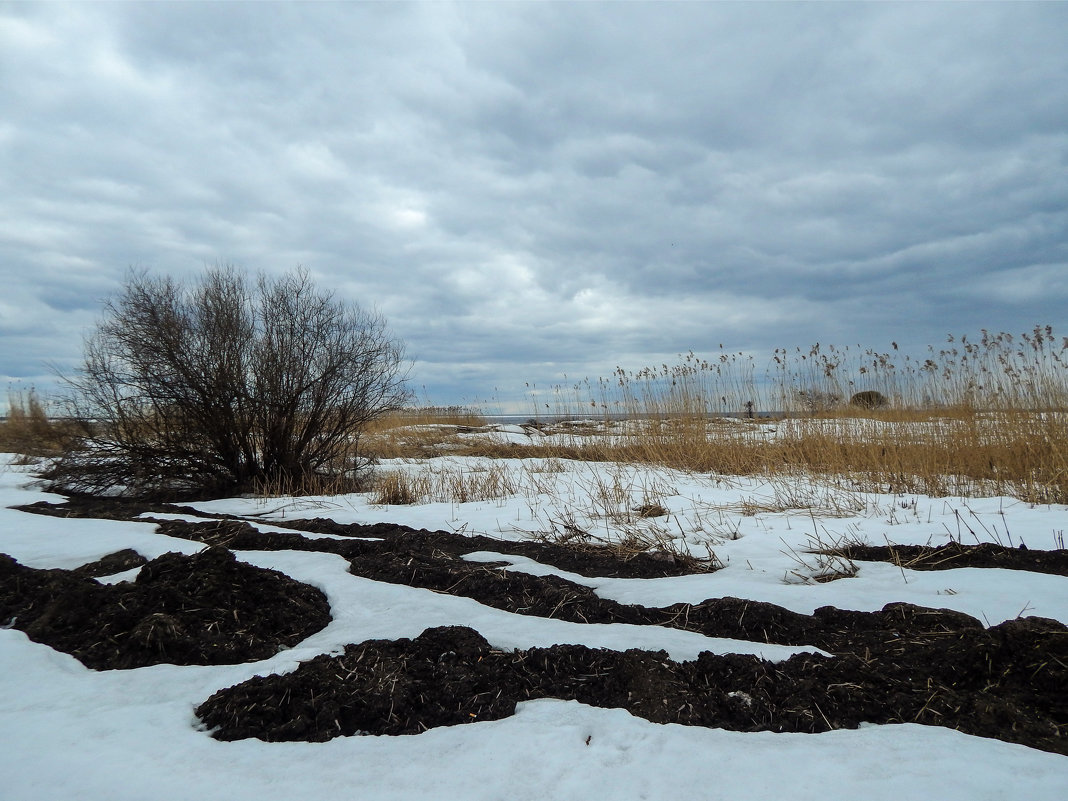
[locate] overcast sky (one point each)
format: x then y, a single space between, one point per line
529 191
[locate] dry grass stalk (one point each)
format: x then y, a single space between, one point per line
445 483
825 559
1006 452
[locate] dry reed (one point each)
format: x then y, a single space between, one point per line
28 429
978 417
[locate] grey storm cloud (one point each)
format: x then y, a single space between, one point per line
533 190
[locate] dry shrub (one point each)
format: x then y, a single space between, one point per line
330 482
226 385
396 489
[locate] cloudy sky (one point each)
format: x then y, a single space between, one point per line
534 191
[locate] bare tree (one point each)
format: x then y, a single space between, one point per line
226 385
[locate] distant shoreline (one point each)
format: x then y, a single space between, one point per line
520 419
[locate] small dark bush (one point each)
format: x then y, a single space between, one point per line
869 400
228 385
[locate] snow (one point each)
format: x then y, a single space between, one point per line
69 732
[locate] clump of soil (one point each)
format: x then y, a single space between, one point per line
118 562
988 683
103 508
583 558
205 609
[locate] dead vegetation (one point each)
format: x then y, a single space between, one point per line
952 555
225 385
977 417
29 430
981 417
963 452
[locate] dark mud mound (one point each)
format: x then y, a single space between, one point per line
952 555
416 560
901 664
118 562
205 609
982 683
425 560
584 559
104 508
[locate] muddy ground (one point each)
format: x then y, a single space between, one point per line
901 664
954 554
205 609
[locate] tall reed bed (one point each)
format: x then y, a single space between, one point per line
977 416
983 415
993 371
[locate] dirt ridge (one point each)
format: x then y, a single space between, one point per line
452 676
901 664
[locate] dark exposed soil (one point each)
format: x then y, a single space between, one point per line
206 609
118 562
952 555
901 664
978 682
584 560
103 508
432 560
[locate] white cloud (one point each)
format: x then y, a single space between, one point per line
1021 285
313 160
538 189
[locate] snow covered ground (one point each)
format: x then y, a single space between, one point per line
69 732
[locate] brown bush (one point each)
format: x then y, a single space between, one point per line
224 386
869 400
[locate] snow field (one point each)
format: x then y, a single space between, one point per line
69 732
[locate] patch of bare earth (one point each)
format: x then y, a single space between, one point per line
205 609
901 664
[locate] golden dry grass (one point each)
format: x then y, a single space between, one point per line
418 432
977 418
28 430
1017 455
445 483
